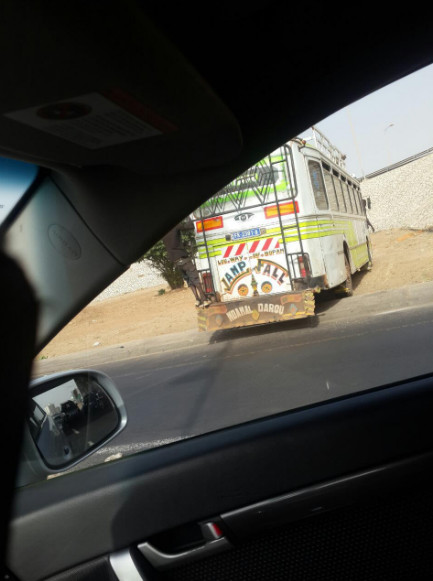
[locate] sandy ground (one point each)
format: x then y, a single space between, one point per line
401 257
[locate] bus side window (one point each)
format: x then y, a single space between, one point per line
347 197
361 203
352 198
339 189
355 202
318 185
330 190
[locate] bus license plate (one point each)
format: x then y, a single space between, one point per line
246 234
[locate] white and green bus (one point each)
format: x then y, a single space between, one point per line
292 225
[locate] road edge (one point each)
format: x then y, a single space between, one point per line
355 307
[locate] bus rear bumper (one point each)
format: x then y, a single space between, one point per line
317 283
257 310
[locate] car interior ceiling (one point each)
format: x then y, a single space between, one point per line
227 103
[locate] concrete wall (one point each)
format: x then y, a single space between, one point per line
139 275
402 197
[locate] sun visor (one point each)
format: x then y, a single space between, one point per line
103 87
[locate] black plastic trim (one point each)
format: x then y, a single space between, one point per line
125 502
374 484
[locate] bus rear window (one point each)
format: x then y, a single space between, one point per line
269 180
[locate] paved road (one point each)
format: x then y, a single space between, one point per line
249 373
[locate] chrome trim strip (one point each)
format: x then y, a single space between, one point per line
124 567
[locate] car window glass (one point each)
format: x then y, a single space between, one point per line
15 179
305 298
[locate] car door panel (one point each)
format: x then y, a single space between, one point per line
354 450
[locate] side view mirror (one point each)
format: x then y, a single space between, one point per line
70 416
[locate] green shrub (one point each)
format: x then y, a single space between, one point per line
157 257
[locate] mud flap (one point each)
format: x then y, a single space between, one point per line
257 311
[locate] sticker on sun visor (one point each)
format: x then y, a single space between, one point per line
95 121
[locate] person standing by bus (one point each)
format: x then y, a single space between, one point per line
178 255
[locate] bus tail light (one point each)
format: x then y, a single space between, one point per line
286 208
304 268
209 224
207 282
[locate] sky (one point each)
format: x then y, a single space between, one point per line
57 395
388 126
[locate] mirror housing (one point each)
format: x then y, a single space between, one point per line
70 416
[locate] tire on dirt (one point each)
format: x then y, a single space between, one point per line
369 264
346 288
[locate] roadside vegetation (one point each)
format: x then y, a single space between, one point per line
157 257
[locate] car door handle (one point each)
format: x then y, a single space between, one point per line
214 542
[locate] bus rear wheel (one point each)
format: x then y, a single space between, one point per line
369 264
346 288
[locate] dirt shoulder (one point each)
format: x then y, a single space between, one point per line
401 258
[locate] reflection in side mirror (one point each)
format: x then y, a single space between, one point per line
72 414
